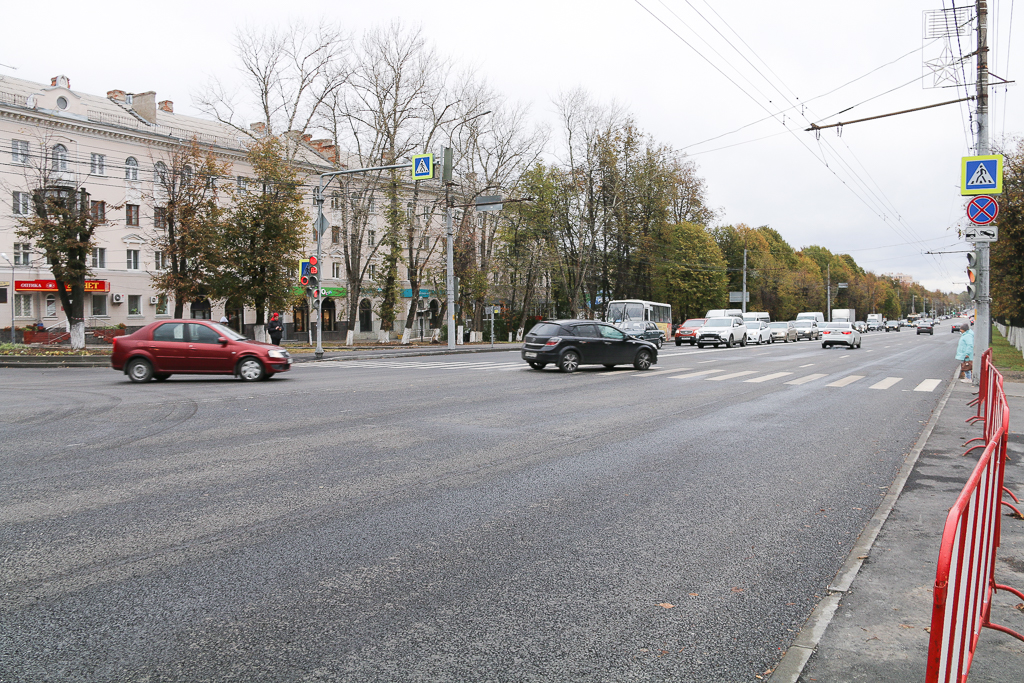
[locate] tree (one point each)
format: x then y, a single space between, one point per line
262 240
693 275
1007 255
188 223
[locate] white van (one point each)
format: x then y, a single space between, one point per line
724 312
816 316
750 316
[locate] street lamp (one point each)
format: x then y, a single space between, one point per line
4 256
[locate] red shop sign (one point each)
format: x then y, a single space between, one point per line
51 286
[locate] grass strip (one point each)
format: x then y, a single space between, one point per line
1004 356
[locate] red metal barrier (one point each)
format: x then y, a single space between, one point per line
964 578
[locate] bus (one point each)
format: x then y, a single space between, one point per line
626 310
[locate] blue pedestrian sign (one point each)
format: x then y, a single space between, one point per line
981 175
423 167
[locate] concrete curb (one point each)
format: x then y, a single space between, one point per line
54 361
792 664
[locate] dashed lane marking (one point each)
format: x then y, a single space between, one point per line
765 378
928 385
807 366
845 381
886 383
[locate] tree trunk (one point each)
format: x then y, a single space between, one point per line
77 335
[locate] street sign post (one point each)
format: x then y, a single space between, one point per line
981 234
981 175
488 203
982 210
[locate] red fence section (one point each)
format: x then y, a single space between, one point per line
964 577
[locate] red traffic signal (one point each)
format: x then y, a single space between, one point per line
312 260
304 280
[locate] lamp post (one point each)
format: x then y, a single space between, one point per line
4 256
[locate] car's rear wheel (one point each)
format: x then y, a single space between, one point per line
537 366
140 370
570 361
659 343
700 346
160 377
643 360
250 369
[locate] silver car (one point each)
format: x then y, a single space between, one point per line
841 334
807 329
784 331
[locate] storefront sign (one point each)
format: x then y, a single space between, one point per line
51 286
424 293
326 292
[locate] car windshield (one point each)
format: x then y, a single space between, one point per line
719 322
804 323
779 326
225 331
625 311
694 322
632 326
545 330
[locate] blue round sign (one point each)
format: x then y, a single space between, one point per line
982 210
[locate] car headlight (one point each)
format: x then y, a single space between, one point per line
277 353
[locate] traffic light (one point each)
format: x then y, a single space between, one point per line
972 275
310 278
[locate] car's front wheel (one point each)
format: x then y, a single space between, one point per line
140 370
700 346
162 376
728 344
537 366
679 342
570 362
643 360
250 369
659 343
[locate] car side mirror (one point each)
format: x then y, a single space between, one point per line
223 341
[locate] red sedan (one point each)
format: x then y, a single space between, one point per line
687 332
171 347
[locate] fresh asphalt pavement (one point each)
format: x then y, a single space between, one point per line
449 518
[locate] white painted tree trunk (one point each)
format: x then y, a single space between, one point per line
435 336
260 333
383 337
406 335
350 338
519 334
78 335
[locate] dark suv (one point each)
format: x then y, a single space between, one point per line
571 343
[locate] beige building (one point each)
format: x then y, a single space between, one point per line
113 147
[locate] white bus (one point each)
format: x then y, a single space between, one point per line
627 310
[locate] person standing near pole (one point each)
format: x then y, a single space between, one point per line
275 329
965 352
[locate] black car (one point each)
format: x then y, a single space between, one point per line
643 330
571 343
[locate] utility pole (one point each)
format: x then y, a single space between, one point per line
983 326
828 296
446 178
745 281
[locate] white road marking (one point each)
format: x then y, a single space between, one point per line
765 378
650 373
886 383
845 381
846 356
696 374
805 380
732 375
713 360
807 366
928 385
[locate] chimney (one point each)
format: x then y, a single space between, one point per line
144 105
306 137
119 95
166 106
259 128
62 81
326 149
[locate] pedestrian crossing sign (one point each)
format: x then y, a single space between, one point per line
981 175
423 167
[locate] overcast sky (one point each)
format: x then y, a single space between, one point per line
884 191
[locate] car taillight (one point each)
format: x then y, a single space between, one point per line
554 341
847 332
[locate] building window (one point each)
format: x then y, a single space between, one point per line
99 211
243 184
131 169
133 259
160 173
134 304
336 270
22 253
97 164
186 174
371 237
99 305
51 306
160 260
335 234
19 151
62 102
426 211
21 203
161 305
160 217
131 214
23 305
335 201
373 271
99 257
59 160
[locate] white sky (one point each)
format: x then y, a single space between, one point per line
531 50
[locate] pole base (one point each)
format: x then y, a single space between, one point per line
319 355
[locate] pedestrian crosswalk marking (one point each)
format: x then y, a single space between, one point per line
732 375
804 380
845 381
886 383
928 385
765 378
650 373
696 374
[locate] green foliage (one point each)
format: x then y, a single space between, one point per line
692 277
1007 255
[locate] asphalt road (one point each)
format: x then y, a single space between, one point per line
456 518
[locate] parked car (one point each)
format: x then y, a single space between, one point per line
726 330
172 347
807 328
643 330
926 327
758 332
844 334
784 331
572 343
687 331
892 326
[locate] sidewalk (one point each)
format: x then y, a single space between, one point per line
879 632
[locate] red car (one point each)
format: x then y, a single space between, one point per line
171 347
687 332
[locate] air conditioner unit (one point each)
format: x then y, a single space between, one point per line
154 300
117 298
